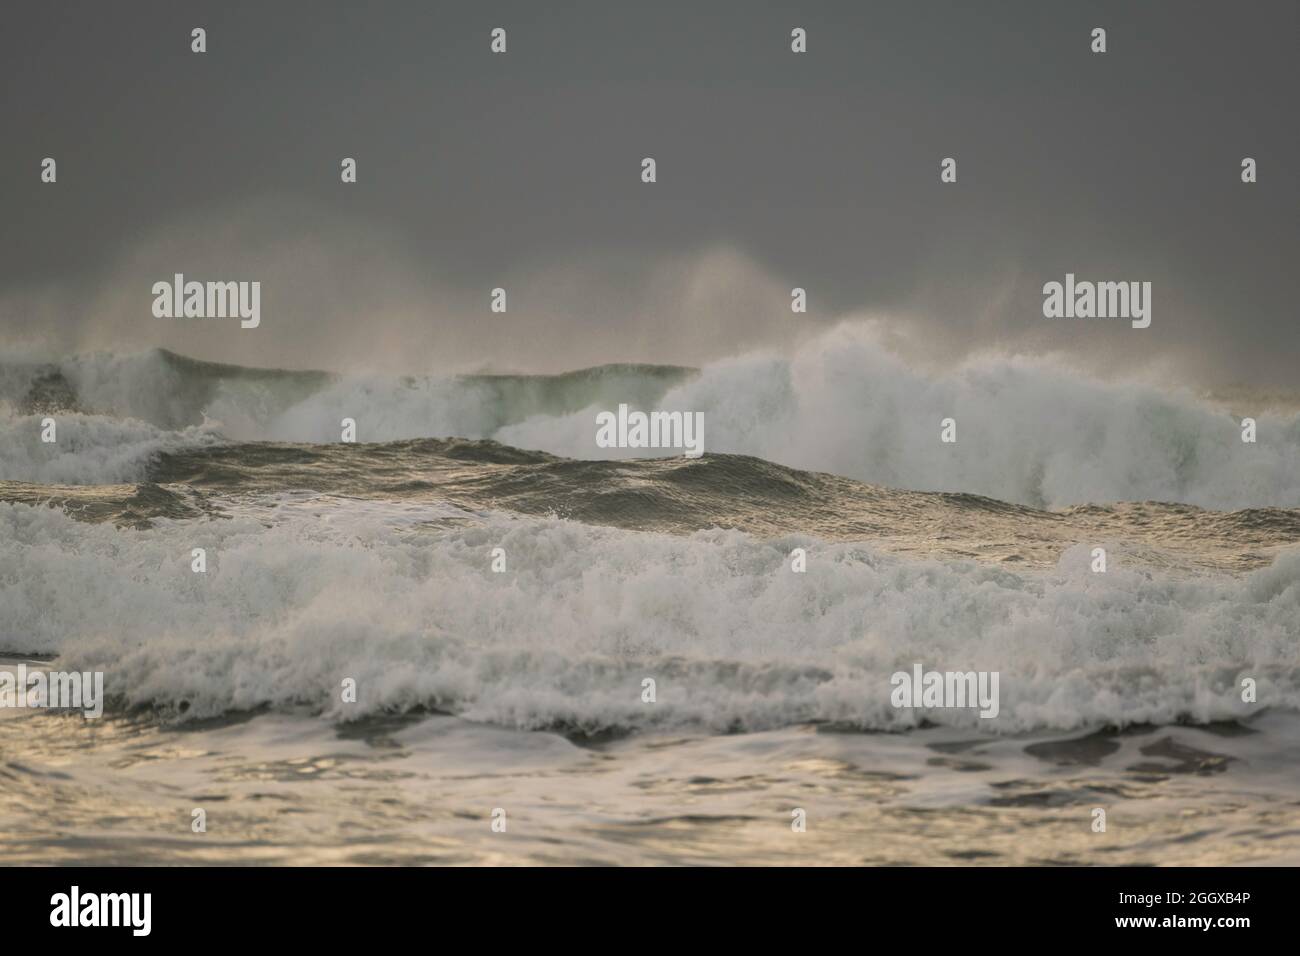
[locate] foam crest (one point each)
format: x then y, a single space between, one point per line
300 597
89 449
1028 430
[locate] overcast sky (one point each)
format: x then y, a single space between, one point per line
775 170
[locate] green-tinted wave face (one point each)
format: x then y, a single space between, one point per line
1024 431
173 391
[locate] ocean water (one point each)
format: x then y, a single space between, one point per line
522 689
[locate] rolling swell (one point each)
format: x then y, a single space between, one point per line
173 392
670 495
371 559
300 593
1029 432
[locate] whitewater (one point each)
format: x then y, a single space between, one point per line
374 562
1029 431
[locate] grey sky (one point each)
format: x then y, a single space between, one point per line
775 170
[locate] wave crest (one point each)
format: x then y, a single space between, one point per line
1028 430
582 615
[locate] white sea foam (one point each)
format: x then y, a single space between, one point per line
1028 429
310 592
89 450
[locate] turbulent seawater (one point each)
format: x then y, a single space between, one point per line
523 689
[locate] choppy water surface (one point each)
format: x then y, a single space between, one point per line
279 789
522 689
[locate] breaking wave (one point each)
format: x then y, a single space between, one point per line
1028 431
336 588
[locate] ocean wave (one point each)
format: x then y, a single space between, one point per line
173 392
411 610
204 476
1028 430
89 449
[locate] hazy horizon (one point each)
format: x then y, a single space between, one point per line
521 171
